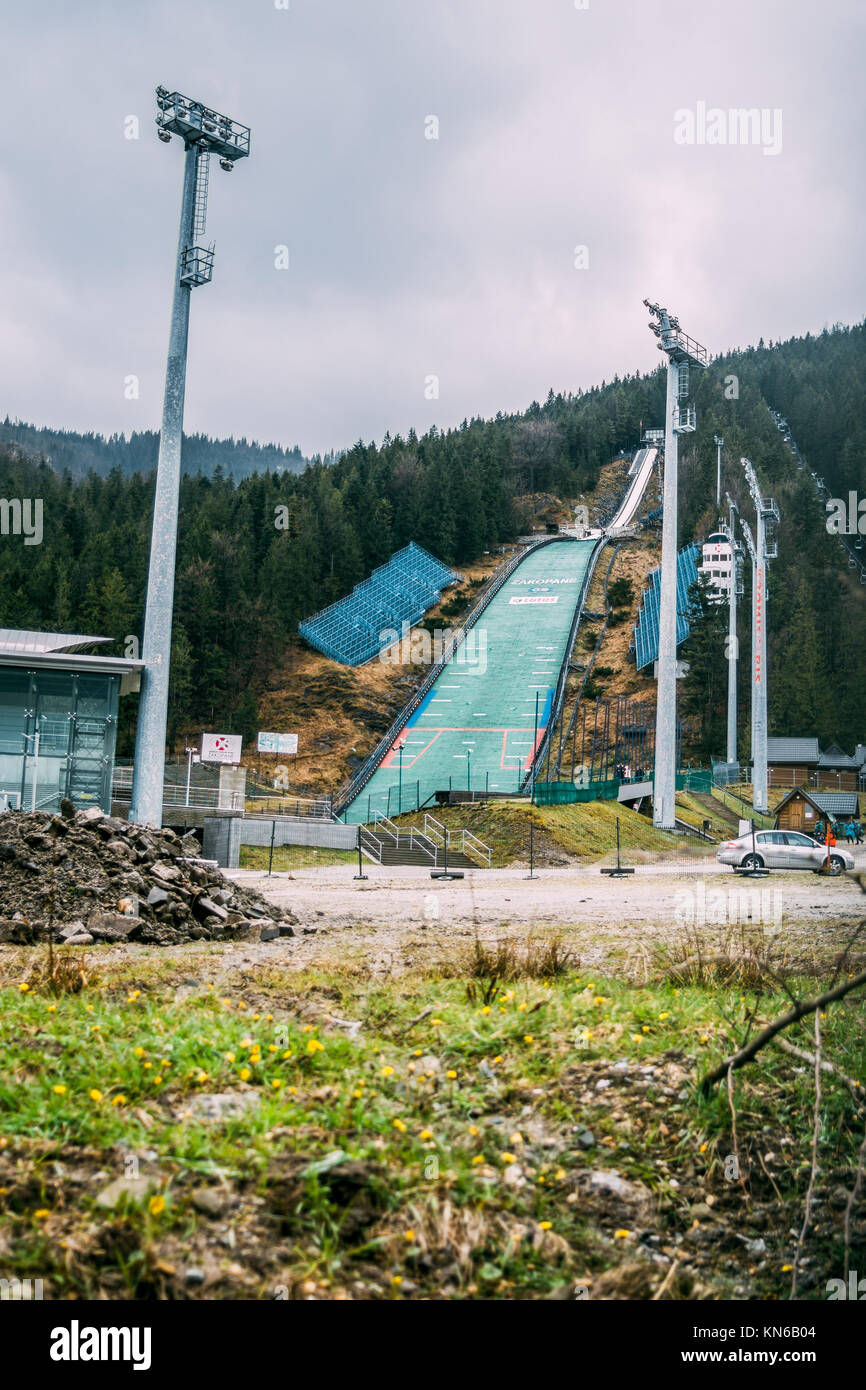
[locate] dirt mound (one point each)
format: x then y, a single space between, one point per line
93 877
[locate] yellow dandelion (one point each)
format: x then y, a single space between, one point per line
41 1214
244 1073
426 1134
229 1056
387 1071
24 987
621 1235
479 1158
409 1235
398 1124
313 1046
156 1206
545 1225
139 1051
59 1090
509 1158
276 1083
528 1038
452 1075
118 1100
95 1094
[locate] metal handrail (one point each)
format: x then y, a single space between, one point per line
316 807
416 837
390 828
439 830
482 850
370 844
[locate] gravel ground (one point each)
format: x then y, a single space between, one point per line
399 916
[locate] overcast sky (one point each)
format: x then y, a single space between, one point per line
413 257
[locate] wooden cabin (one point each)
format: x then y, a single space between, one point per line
799 762
801 809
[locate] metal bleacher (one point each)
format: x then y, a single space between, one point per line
646 632
401 591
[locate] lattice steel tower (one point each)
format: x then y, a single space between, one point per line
683 353
204 132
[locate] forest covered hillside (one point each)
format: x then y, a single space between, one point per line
82 454
257 555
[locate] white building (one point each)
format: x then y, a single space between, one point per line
716 563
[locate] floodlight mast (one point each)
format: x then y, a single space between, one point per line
761 550
753 556
682 352
728 530
204 132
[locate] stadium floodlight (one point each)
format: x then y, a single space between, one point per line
728 530
762 549
203 132
682 352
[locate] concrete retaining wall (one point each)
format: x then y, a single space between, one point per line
224 835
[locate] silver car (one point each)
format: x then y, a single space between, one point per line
783 849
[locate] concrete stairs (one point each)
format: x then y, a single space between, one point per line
391 855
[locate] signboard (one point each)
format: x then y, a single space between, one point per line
278 743
221 748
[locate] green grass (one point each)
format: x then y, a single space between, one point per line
288 857
585 830
427 1135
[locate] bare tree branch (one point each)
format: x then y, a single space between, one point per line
806 1006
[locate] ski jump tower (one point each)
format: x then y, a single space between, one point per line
682 353
204 132
761 550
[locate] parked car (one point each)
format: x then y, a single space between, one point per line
783 849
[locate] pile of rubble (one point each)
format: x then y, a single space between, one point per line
92 877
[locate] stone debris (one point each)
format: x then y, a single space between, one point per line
94 877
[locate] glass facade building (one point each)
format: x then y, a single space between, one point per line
58 723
